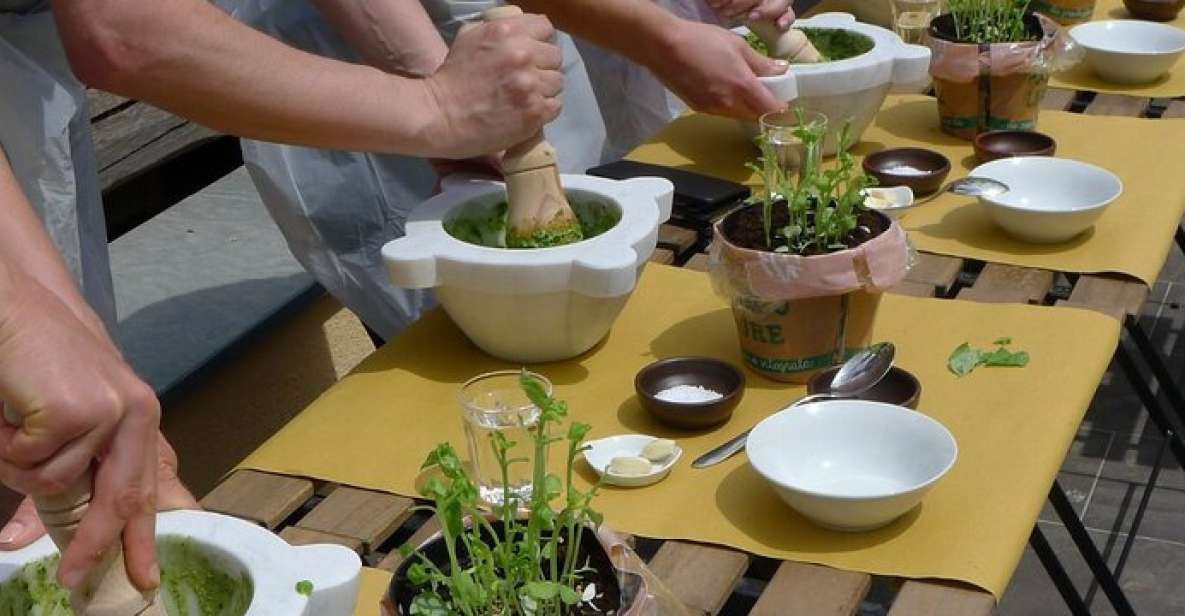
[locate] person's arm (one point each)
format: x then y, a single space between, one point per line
499 84
77 399
25 245
708 67
396 36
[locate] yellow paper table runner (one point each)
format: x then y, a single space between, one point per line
1013 426
1133 236
374 586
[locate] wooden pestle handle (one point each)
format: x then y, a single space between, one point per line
534 153
107 591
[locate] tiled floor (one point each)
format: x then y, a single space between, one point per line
1105 477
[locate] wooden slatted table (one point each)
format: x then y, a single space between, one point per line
711 579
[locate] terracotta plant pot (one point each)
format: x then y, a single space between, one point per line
986 87
401 592
1154 10
1065 12
798 315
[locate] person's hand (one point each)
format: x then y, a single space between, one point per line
80 405
498 86
25 527
715 71
778 11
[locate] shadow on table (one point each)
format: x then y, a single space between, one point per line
752 506
435 349
971 225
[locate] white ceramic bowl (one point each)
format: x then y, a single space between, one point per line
1130 51
851 465
1049 200
532 305
602 451
236 547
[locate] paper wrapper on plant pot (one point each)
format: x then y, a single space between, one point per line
636 591
998 86
1065 12
797 315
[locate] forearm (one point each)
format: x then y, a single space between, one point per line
641 30
25 247
189 57
396 36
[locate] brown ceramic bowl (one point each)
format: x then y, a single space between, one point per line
1154 10
931 168
706 372
898 387
997 144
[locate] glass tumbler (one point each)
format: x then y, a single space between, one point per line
778 128
494 403
911 18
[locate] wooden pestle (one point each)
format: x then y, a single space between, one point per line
107 591
536 199
791 45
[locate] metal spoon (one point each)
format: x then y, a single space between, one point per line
856 376
971 186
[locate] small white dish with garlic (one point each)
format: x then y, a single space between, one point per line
632 460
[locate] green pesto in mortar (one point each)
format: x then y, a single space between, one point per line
191 585
487 226
833 43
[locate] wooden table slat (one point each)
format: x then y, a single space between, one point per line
422 534
697 262
800 589
260 497
914 289
679 239
1110 295
368 516
932 598
1058 99
1117 104
296 535
1175 109
1009 283
701 576
664 256
935 270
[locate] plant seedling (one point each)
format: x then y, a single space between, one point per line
532 566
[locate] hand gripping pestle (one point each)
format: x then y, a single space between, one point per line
107 591
537 204
791 45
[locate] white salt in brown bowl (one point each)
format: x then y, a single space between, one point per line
690 372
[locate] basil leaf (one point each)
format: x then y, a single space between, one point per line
963 360
1003 357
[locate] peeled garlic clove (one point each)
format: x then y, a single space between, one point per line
629 466
659 449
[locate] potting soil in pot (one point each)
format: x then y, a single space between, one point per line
192 584
832 43
486 224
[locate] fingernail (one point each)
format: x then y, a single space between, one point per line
72 578
10 533
154 575
781 65
754 16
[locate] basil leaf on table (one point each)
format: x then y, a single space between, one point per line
965 359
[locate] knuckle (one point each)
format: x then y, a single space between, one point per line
131 501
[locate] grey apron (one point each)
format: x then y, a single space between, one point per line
45 133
